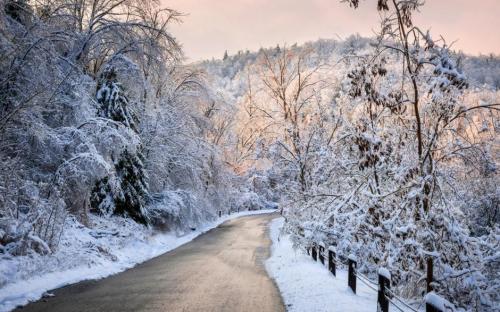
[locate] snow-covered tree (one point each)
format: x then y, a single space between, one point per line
114 104
133 190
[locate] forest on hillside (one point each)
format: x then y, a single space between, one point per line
385 147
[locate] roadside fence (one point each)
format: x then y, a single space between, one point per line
385 296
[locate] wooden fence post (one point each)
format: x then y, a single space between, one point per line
430 308
321 253
314 253
220 213
384 282
352 264
331 260
429 274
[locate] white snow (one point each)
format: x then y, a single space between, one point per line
438 302
119 254
306 285
385 273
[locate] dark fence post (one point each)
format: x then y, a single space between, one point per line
321 253
429 274
384 282
331 260
430 308
351 262
313 252
220 213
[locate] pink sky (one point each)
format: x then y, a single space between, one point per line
213 26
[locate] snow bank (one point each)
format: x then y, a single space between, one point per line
306 285
105 252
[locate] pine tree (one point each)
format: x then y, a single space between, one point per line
133 187
19 10
114 103
126 193
101 198
225 56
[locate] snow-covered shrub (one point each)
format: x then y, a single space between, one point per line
175 210
251 201
18 237
480 203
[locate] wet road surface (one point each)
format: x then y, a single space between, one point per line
221 270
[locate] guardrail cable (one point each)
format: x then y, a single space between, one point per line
399 299
361 275
366 283
398 307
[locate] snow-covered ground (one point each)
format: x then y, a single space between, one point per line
306 285
111 246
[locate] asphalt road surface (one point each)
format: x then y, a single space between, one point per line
221 270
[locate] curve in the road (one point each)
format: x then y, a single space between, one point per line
221 270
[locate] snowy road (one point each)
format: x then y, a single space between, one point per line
221 270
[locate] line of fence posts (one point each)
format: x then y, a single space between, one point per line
384 279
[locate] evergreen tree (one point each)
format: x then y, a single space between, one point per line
128 197
133 187
225 56
123 194
114 103
19 10
101 198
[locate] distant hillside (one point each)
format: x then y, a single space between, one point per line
480 70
